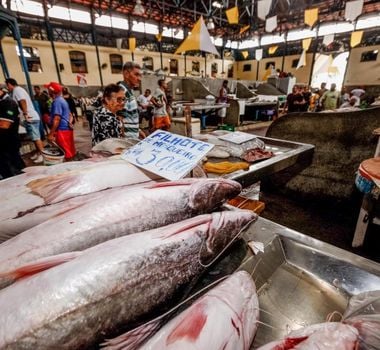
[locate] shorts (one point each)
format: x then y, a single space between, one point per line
162 123
33 129
65 140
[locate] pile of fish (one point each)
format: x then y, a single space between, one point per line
98 247
102 254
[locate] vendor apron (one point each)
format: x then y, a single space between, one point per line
65 140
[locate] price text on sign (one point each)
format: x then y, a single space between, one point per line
168 155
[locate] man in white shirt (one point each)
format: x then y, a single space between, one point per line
29 117
145 107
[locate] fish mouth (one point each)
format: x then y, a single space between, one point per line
224 229
207 195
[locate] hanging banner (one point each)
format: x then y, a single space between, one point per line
302 60
132 44
244 29
271 24
263 7
272 49
233 15
353 9
159 37
259 54
306 44
328 39
356 38
199 40
81 79
311 16
168 155
245 54
119 43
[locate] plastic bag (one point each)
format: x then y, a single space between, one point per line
363 313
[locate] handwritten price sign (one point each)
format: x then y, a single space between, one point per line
168 155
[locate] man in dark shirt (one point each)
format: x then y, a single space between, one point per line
11 162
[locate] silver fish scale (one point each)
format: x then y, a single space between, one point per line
104 300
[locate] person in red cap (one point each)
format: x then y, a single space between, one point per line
61 130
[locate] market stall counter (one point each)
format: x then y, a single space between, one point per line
300 280
284 154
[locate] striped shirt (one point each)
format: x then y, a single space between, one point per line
130 113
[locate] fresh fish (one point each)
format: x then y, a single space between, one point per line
55 188
78 303
114 145
322 336
363 313
223 318
9 186
26 220
122 212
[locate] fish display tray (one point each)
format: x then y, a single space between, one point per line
300 280
286 154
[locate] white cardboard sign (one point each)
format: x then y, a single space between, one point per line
168 155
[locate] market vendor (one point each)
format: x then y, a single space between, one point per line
106 123
61 130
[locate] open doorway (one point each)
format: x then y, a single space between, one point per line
329 69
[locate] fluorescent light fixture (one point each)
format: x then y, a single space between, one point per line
26 6
217 4
334 28
272 39
247 44
300 34
139 9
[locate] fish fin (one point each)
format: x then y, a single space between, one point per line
186 225
190 327
51 187
183 182
134 338
39 265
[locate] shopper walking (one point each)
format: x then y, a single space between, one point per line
29 117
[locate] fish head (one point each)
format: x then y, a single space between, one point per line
224 228
207 194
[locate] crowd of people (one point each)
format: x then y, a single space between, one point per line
49 116
302 99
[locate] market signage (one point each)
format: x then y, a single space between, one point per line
168 155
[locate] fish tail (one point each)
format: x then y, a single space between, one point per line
51 187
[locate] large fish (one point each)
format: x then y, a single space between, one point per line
55 188
115 214
321 336
26 220
76 304
222 319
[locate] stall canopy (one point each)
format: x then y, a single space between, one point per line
199 39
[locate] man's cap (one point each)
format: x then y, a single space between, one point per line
54 87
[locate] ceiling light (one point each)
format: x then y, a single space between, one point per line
139 9
210 24
217 4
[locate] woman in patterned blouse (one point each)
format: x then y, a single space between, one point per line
106 123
